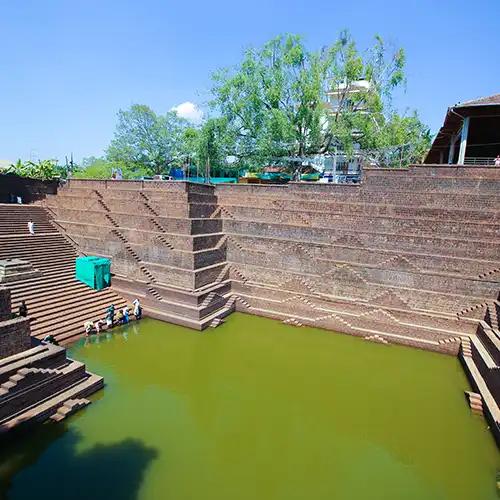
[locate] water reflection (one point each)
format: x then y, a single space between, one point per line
119 331
104 471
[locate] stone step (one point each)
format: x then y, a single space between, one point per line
46 289
73 315
57 306
68 408
45 409
69 331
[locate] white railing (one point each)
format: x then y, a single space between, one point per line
479 161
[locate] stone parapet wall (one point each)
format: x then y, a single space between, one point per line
14 332
14 336
5 307
442 170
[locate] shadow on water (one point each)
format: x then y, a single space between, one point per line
105 471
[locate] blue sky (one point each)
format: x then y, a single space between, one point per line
68 66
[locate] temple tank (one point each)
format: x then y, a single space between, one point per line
256 409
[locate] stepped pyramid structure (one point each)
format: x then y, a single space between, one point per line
164 239
37 380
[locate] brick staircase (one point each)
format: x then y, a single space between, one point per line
68 408
475 402
492 314
208 299
154 293
14 219
216 322
57 303
42 383
37 380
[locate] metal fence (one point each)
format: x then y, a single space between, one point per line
479 161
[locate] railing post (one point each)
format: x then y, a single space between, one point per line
463 140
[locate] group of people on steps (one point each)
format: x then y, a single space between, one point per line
113 318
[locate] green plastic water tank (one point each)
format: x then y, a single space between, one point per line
95 272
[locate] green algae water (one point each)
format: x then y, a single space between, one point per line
258 410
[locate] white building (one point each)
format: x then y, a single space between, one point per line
345 96
337 167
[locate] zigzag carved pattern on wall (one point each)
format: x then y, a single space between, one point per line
475 307
373 313
299 248
401 263
379 315
389 298
298 283
299 298
489 274
339 268
394 262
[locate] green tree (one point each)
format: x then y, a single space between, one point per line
284 102
145 140
362 86
189 146
101 168
272 101
214 145
400 141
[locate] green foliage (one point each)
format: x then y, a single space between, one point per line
42 169
213 142
189 146
101 168
280 104
275 104
145 140
398 142
272 102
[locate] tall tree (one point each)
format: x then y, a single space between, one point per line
362 113
273 100
214 144
145 140
283 101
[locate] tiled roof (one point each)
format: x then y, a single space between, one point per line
491 100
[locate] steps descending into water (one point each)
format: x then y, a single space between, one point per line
42 383
58 304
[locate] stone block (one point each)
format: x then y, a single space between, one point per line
16 269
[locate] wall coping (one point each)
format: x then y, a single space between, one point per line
13 321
